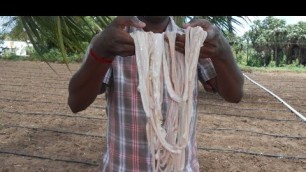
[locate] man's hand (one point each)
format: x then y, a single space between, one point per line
213 44
114 40
211 85
229 80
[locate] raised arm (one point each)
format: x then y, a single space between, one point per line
85 84
229 80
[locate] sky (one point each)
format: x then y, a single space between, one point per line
288 19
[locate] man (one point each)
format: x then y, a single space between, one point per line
110 58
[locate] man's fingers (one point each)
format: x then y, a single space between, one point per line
123 21
193 23
125 38
211 29
125 50
134 21
180 38
208 88
207 51
212 33
180 45
179 49
205 24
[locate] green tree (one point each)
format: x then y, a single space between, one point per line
296 48
273 38
267 38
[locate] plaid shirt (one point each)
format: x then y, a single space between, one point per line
127 148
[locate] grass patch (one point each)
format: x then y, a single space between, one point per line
288 68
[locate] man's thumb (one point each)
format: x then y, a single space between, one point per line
137 23
123 21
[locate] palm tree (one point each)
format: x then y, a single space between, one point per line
297 43
267 37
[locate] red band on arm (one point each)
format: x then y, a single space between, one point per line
99 59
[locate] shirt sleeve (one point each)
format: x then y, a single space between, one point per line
107 77
206 70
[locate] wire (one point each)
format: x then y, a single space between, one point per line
48 158
25 100
53 130
232 107
255 132
24 85
260 118
251 153
29 78
18 91
52 114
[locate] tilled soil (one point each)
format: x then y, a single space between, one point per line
38 132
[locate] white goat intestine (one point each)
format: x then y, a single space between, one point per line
160 66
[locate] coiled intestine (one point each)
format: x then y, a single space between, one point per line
159 66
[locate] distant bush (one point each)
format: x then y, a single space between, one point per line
239 58
272 64
54 55
254 60
7 55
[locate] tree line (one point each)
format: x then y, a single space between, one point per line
271 40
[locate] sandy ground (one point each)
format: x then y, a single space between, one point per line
38 132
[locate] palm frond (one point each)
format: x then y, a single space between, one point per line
61 41
71 34
26 25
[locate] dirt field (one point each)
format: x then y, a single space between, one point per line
38 132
